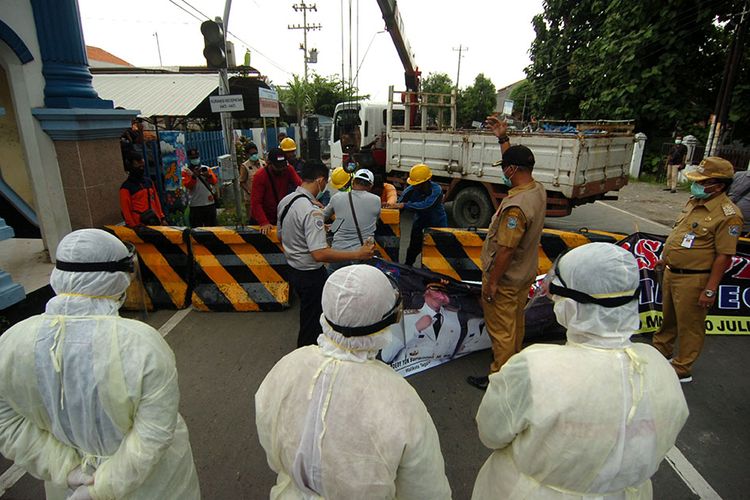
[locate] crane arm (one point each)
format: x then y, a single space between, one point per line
395 26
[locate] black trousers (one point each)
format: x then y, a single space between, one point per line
415 243
309 288
203 216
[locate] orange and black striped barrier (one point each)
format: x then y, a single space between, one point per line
456 252
164 265
388 234
238 270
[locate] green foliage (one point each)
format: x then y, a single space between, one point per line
318 95
477 101
657 62
228 217
520 93
437 83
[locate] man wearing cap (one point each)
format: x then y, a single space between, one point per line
270 184
357 214
425 198
247 171
696 254
199 180
302 233
510 257
675 163
289 147
433 330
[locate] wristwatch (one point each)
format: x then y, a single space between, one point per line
709 293
503 139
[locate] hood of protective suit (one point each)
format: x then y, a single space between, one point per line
358 295
88 293
600 270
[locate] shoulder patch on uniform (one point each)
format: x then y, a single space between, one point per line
319 223
512 222
734 231
728 209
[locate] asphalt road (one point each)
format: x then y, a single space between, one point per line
223 357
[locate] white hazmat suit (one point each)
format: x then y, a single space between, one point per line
338 424
82 387
590 419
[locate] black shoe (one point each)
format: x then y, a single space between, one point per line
478 382
673 191
666 189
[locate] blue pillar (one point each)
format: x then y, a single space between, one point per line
64 63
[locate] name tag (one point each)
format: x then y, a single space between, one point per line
687 241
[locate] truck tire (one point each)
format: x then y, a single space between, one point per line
472 208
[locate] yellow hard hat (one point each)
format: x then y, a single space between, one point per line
418 174
340 177
287 144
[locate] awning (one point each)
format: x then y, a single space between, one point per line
156 94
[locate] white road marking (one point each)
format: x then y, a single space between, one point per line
690 476
10 477
174 321
666 228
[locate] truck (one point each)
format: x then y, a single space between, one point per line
577 164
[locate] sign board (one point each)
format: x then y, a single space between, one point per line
507 107
226 103
268 102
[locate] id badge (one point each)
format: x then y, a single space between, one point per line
687 241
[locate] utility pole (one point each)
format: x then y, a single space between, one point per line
460 50
724 98
158 47
312 56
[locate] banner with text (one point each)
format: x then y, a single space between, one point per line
730 314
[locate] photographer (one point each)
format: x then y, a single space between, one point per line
198 179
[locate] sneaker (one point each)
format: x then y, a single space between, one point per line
686 379
478 382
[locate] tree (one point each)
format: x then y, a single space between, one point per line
476 101
523 99
659 63
319 95
437 83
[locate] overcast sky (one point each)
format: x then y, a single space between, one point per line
498 34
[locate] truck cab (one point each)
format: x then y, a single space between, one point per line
361 125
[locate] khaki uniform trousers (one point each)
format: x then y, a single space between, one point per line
672 174
504 319
682 320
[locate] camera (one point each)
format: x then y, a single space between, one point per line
204 169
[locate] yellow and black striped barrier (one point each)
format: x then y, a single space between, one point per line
164 265
457 252
388 234
238 270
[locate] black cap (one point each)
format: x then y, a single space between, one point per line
250 145
520 156
276 155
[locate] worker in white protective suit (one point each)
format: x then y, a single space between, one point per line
592 418
338 424
88 400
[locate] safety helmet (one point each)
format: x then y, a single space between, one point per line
287 144
340 177
418 174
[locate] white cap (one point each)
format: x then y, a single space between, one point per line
365 175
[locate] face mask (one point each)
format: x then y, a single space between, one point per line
195 162
321 192
699 191
677 141
254 157
565 310
505 179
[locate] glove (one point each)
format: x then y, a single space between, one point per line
82 493
77 478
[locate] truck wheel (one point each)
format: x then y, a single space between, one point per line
472 208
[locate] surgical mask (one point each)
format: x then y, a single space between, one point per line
254 157
321 192
195 162
505 179
699 191
677 141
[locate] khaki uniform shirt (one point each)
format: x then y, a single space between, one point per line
247 171
517 224
703 229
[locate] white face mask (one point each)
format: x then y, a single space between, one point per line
678 141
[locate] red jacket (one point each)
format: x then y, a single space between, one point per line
134 200
263 201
